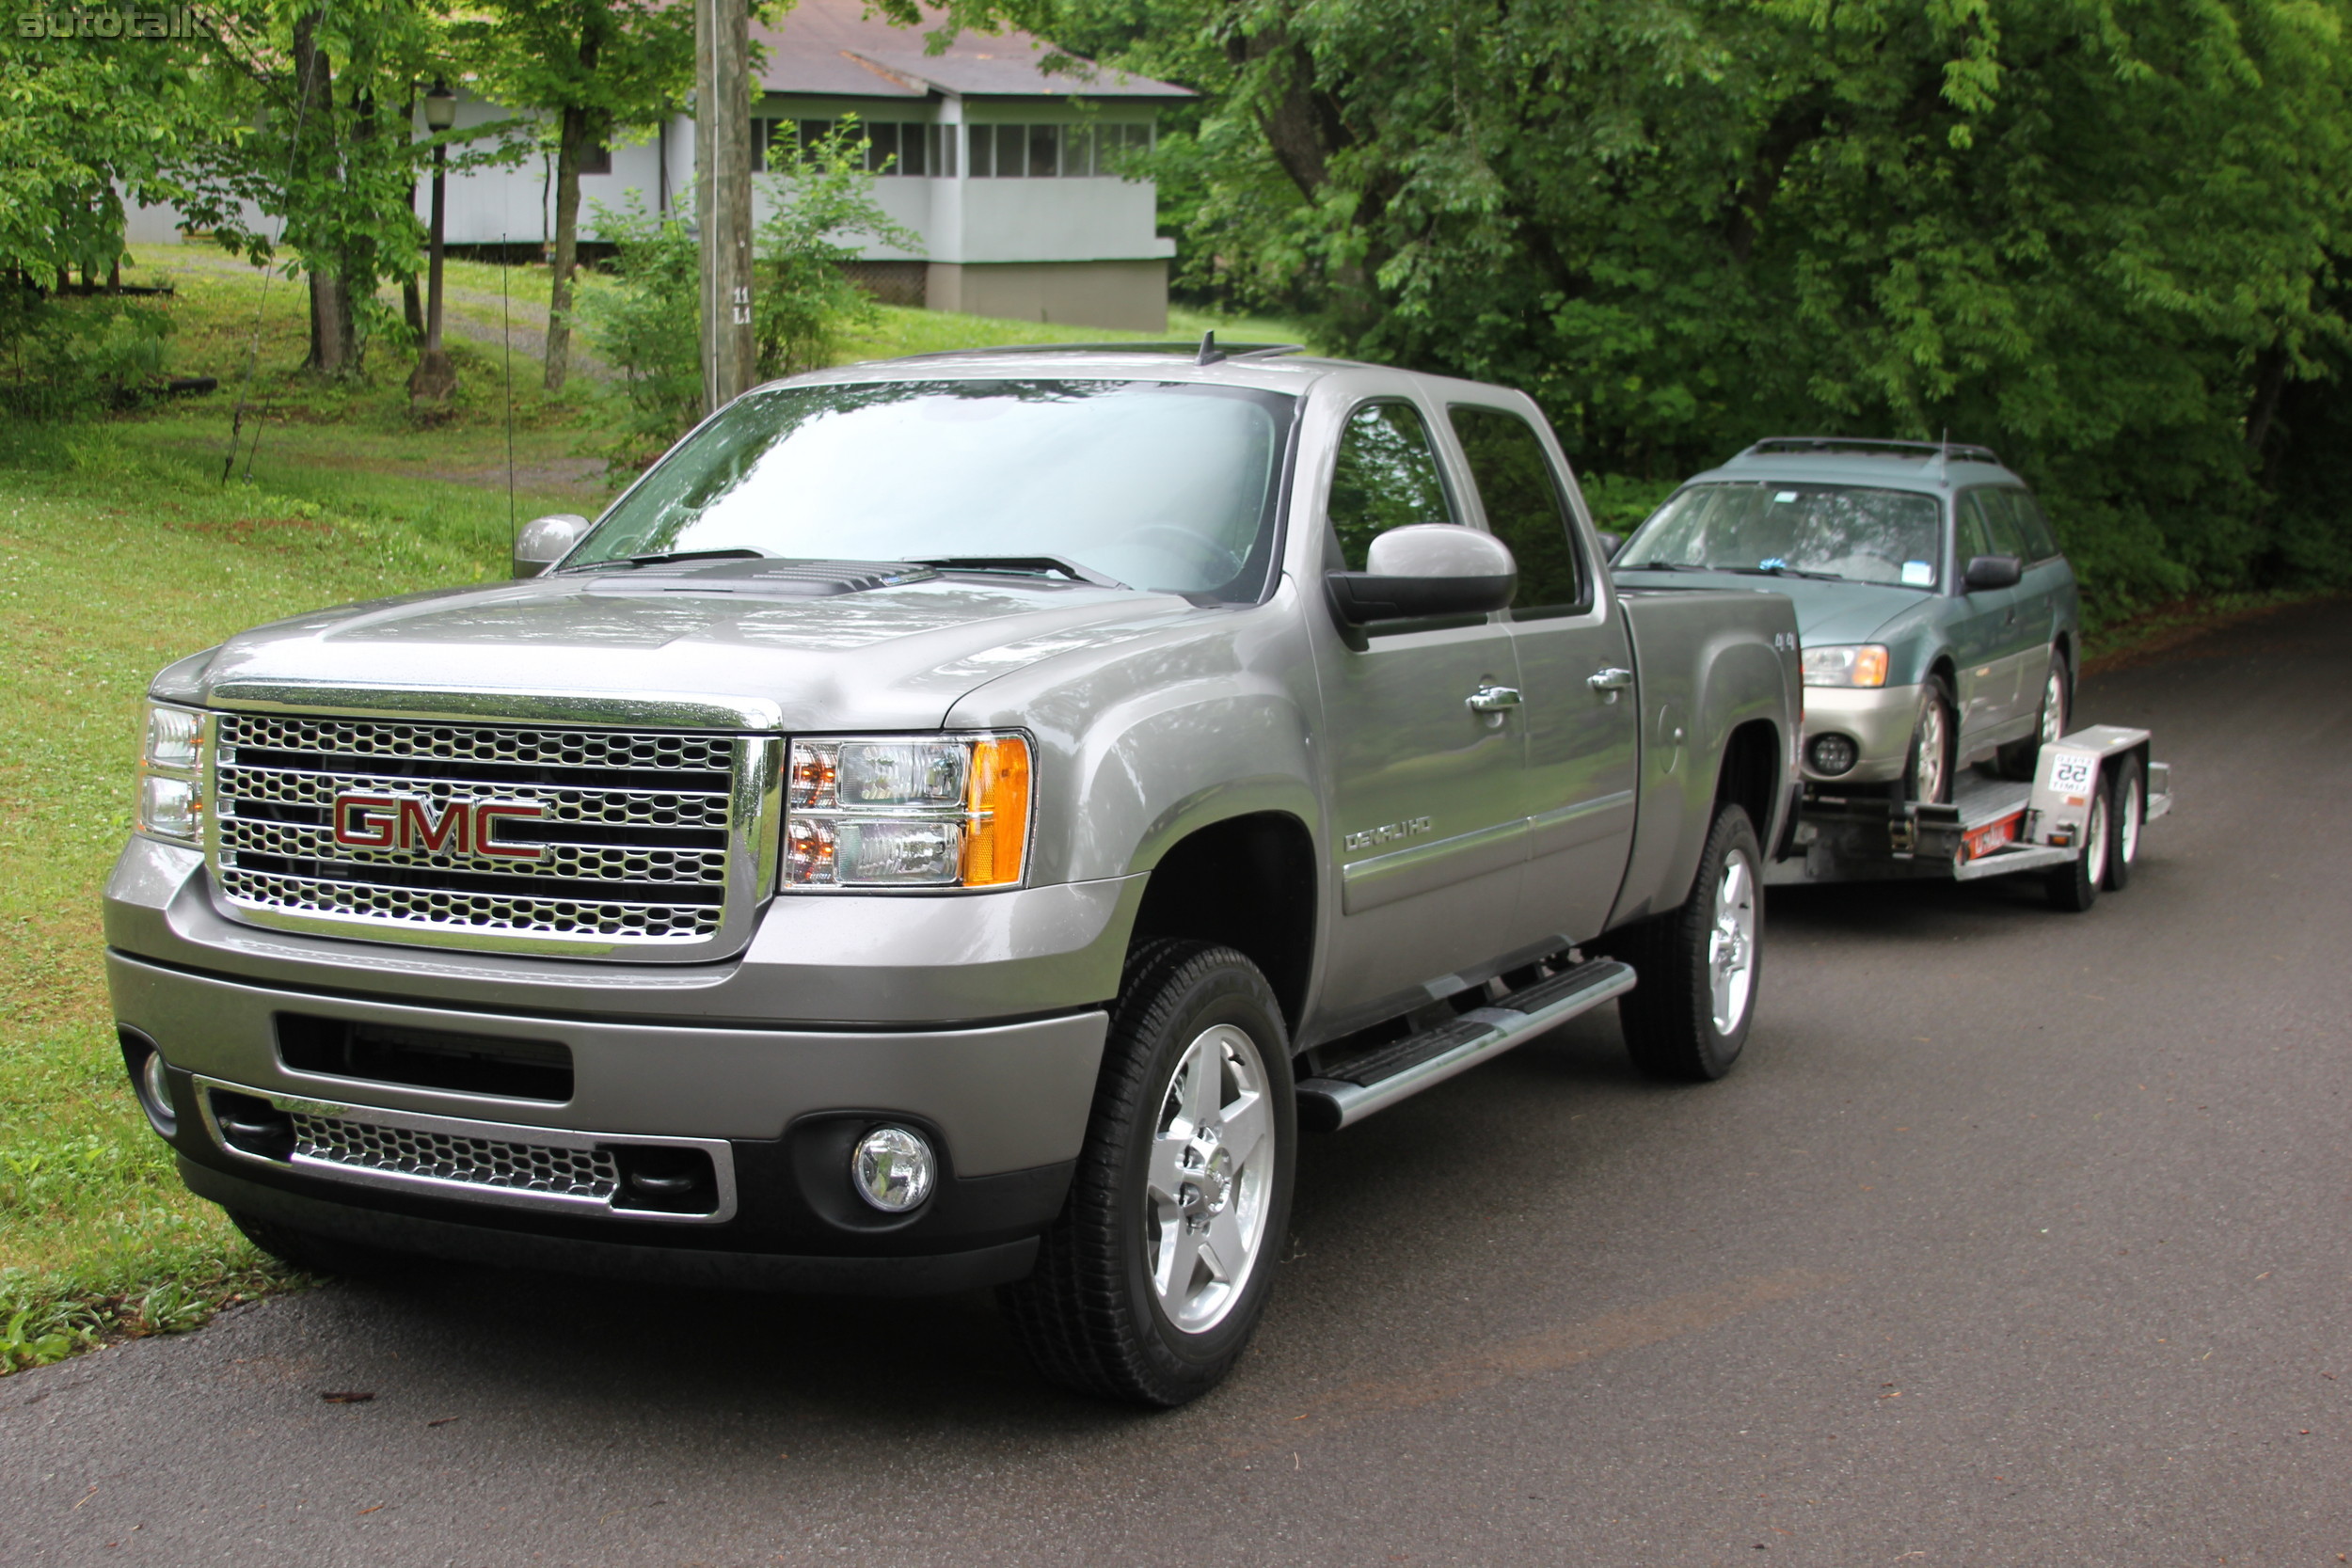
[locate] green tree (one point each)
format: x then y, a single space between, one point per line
599 67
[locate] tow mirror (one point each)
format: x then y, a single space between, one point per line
1992 571
1610 543
545 541
1425 569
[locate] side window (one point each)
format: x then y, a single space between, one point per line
1524 505
1975 537
1384 477
2000 518
2041 544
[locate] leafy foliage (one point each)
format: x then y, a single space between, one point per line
2103 235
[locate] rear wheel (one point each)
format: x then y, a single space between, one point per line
2129 812
2019 757
1688 1018
2074 886
1152 1279
1928 776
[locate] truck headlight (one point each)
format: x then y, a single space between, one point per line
171 773
1850 664
907 812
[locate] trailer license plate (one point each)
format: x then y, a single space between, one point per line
2071 773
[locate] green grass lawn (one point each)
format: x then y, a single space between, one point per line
122 548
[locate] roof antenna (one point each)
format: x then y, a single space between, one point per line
1209 352
1944 454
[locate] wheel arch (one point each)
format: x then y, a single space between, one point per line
1248 882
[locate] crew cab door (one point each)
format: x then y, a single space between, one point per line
1582 707
1427 789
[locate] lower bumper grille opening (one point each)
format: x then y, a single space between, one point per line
426 1058
626 1177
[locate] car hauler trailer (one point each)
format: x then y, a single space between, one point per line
2077 823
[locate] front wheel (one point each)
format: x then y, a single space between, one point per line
1928 774
1153 1277
1687 1018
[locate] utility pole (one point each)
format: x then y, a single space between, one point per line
722 195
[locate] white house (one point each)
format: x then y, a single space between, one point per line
1006 173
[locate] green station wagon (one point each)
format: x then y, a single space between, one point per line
1941 624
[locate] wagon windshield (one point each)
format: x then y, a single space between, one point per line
1849 531
1170 486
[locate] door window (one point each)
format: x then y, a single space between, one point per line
1524 505
2000 517
1386 476
2041 544
1976 534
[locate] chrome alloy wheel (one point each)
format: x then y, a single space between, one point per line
1731 944
1928 742
1212 1169
2054 707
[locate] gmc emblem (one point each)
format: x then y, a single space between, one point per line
411 822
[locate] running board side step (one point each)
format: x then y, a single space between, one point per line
1401 1068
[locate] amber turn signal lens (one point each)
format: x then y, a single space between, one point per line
1869 665
997 804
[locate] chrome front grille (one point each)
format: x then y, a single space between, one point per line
607 841
529 1167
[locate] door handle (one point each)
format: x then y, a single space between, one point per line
1492 699
1610 679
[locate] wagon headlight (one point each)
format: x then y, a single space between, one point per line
1852 664
907 812
171 773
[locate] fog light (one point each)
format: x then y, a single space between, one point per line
1833 755
892 1169
150 1083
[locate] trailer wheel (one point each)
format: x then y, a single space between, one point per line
2019 757
2074 886
1699 966
1151 1282
2129 813
1934 741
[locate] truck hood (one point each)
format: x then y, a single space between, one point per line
1827 612
752 645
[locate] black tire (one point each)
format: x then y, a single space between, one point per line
1935 698
1672 1026
2074 886
322 1255
2019 758
1090 1316
2128 814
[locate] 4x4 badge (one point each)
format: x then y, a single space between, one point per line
414 823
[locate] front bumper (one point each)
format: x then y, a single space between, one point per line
1878 719
999 1074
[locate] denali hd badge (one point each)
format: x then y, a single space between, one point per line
413 822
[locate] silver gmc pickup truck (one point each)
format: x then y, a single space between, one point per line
952 822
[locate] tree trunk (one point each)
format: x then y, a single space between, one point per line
570 147
356 263
314 93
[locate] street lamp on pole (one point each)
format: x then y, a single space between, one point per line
435 378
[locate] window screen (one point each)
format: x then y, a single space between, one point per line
1524 505
1386 476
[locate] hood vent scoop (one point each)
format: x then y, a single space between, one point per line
760 579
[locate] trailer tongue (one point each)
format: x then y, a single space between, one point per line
2077 823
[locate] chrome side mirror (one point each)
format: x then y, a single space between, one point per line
545 541
1427 569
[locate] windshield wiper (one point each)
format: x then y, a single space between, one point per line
1660 567
1783 571
1029 563
738 552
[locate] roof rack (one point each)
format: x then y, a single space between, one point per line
1190 351
1962 451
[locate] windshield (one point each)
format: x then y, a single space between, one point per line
1840 530
1157 486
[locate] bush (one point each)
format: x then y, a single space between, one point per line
59 357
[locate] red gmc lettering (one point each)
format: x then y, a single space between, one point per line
364 821
418 830
486 823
